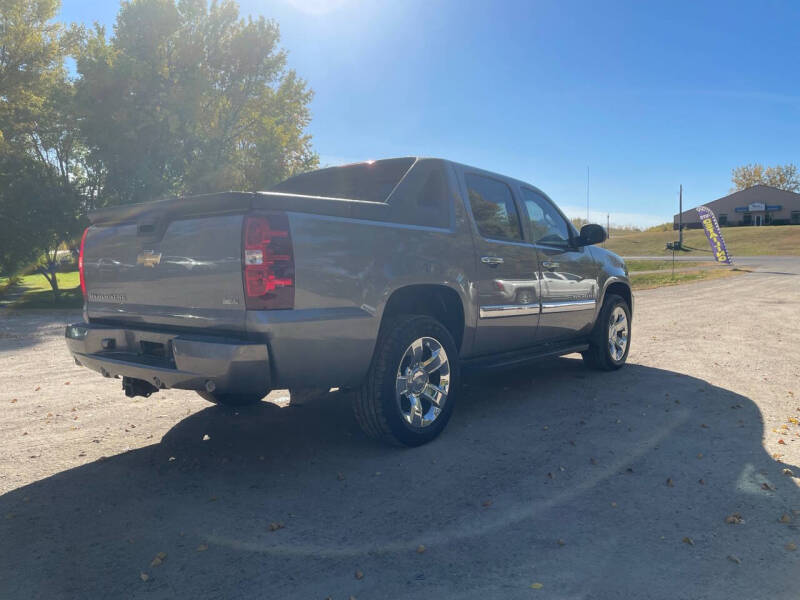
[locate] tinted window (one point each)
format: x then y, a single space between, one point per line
372 181
493 208
547 225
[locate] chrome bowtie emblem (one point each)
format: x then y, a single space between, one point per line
148 258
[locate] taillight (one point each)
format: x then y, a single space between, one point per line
80 264
267 262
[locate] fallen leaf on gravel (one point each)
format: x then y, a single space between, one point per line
785 518
159 559
38 387
420 549
735 559
788 472
734 519
206 437
275 525
144 576
359 575
670 483
768 487
66 383
777 456
202 547
688 540
13 400
793 421
781 442
537 586
791 546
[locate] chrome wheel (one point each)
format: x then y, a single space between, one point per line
423 382
617 333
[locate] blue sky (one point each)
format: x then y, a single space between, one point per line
648 95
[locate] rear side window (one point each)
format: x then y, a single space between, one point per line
493 208
372 181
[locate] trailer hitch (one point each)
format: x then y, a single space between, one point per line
137 387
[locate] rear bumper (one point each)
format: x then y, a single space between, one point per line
171 360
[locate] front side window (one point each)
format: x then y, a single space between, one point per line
547 225
493 208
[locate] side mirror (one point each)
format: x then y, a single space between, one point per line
592 234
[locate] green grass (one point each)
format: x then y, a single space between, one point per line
646 281
741 241
663 265
39 294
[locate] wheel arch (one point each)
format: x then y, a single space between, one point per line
620 287
438 301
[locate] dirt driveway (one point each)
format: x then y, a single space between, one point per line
550 481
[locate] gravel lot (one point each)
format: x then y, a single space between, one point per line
551 481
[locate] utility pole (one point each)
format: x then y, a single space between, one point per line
608 224
680 218
587 193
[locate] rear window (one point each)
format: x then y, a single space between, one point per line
372 181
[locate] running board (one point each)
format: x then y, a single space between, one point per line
518 357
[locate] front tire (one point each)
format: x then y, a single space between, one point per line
611 339
230 399
409 393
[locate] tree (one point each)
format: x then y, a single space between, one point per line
39 145
38 211
187 97
784 177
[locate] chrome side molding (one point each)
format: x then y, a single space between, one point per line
554 307
515 310
508 310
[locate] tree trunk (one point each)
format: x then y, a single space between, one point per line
49 273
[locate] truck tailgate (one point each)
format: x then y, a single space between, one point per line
167 269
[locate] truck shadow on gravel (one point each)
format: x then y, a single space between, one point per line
596 485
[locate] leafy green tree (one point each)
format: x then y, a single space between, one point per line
187 97
784 177
39 143
38 211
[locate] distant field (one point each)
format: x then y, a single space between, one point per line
741 241
646 281
663 265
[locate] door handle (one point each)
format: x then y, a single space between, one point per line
549 264
492 260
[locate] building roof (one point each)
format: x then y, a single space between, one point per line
757 193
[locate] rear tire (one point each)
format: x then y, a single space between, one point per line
410 390
230 399
610 341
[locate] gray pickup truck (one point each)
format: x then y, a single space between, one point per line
388 278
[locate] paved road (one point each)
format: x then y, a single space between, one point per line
594 485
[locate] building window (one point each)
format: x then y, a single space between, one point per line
723 219
747 219
796 217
